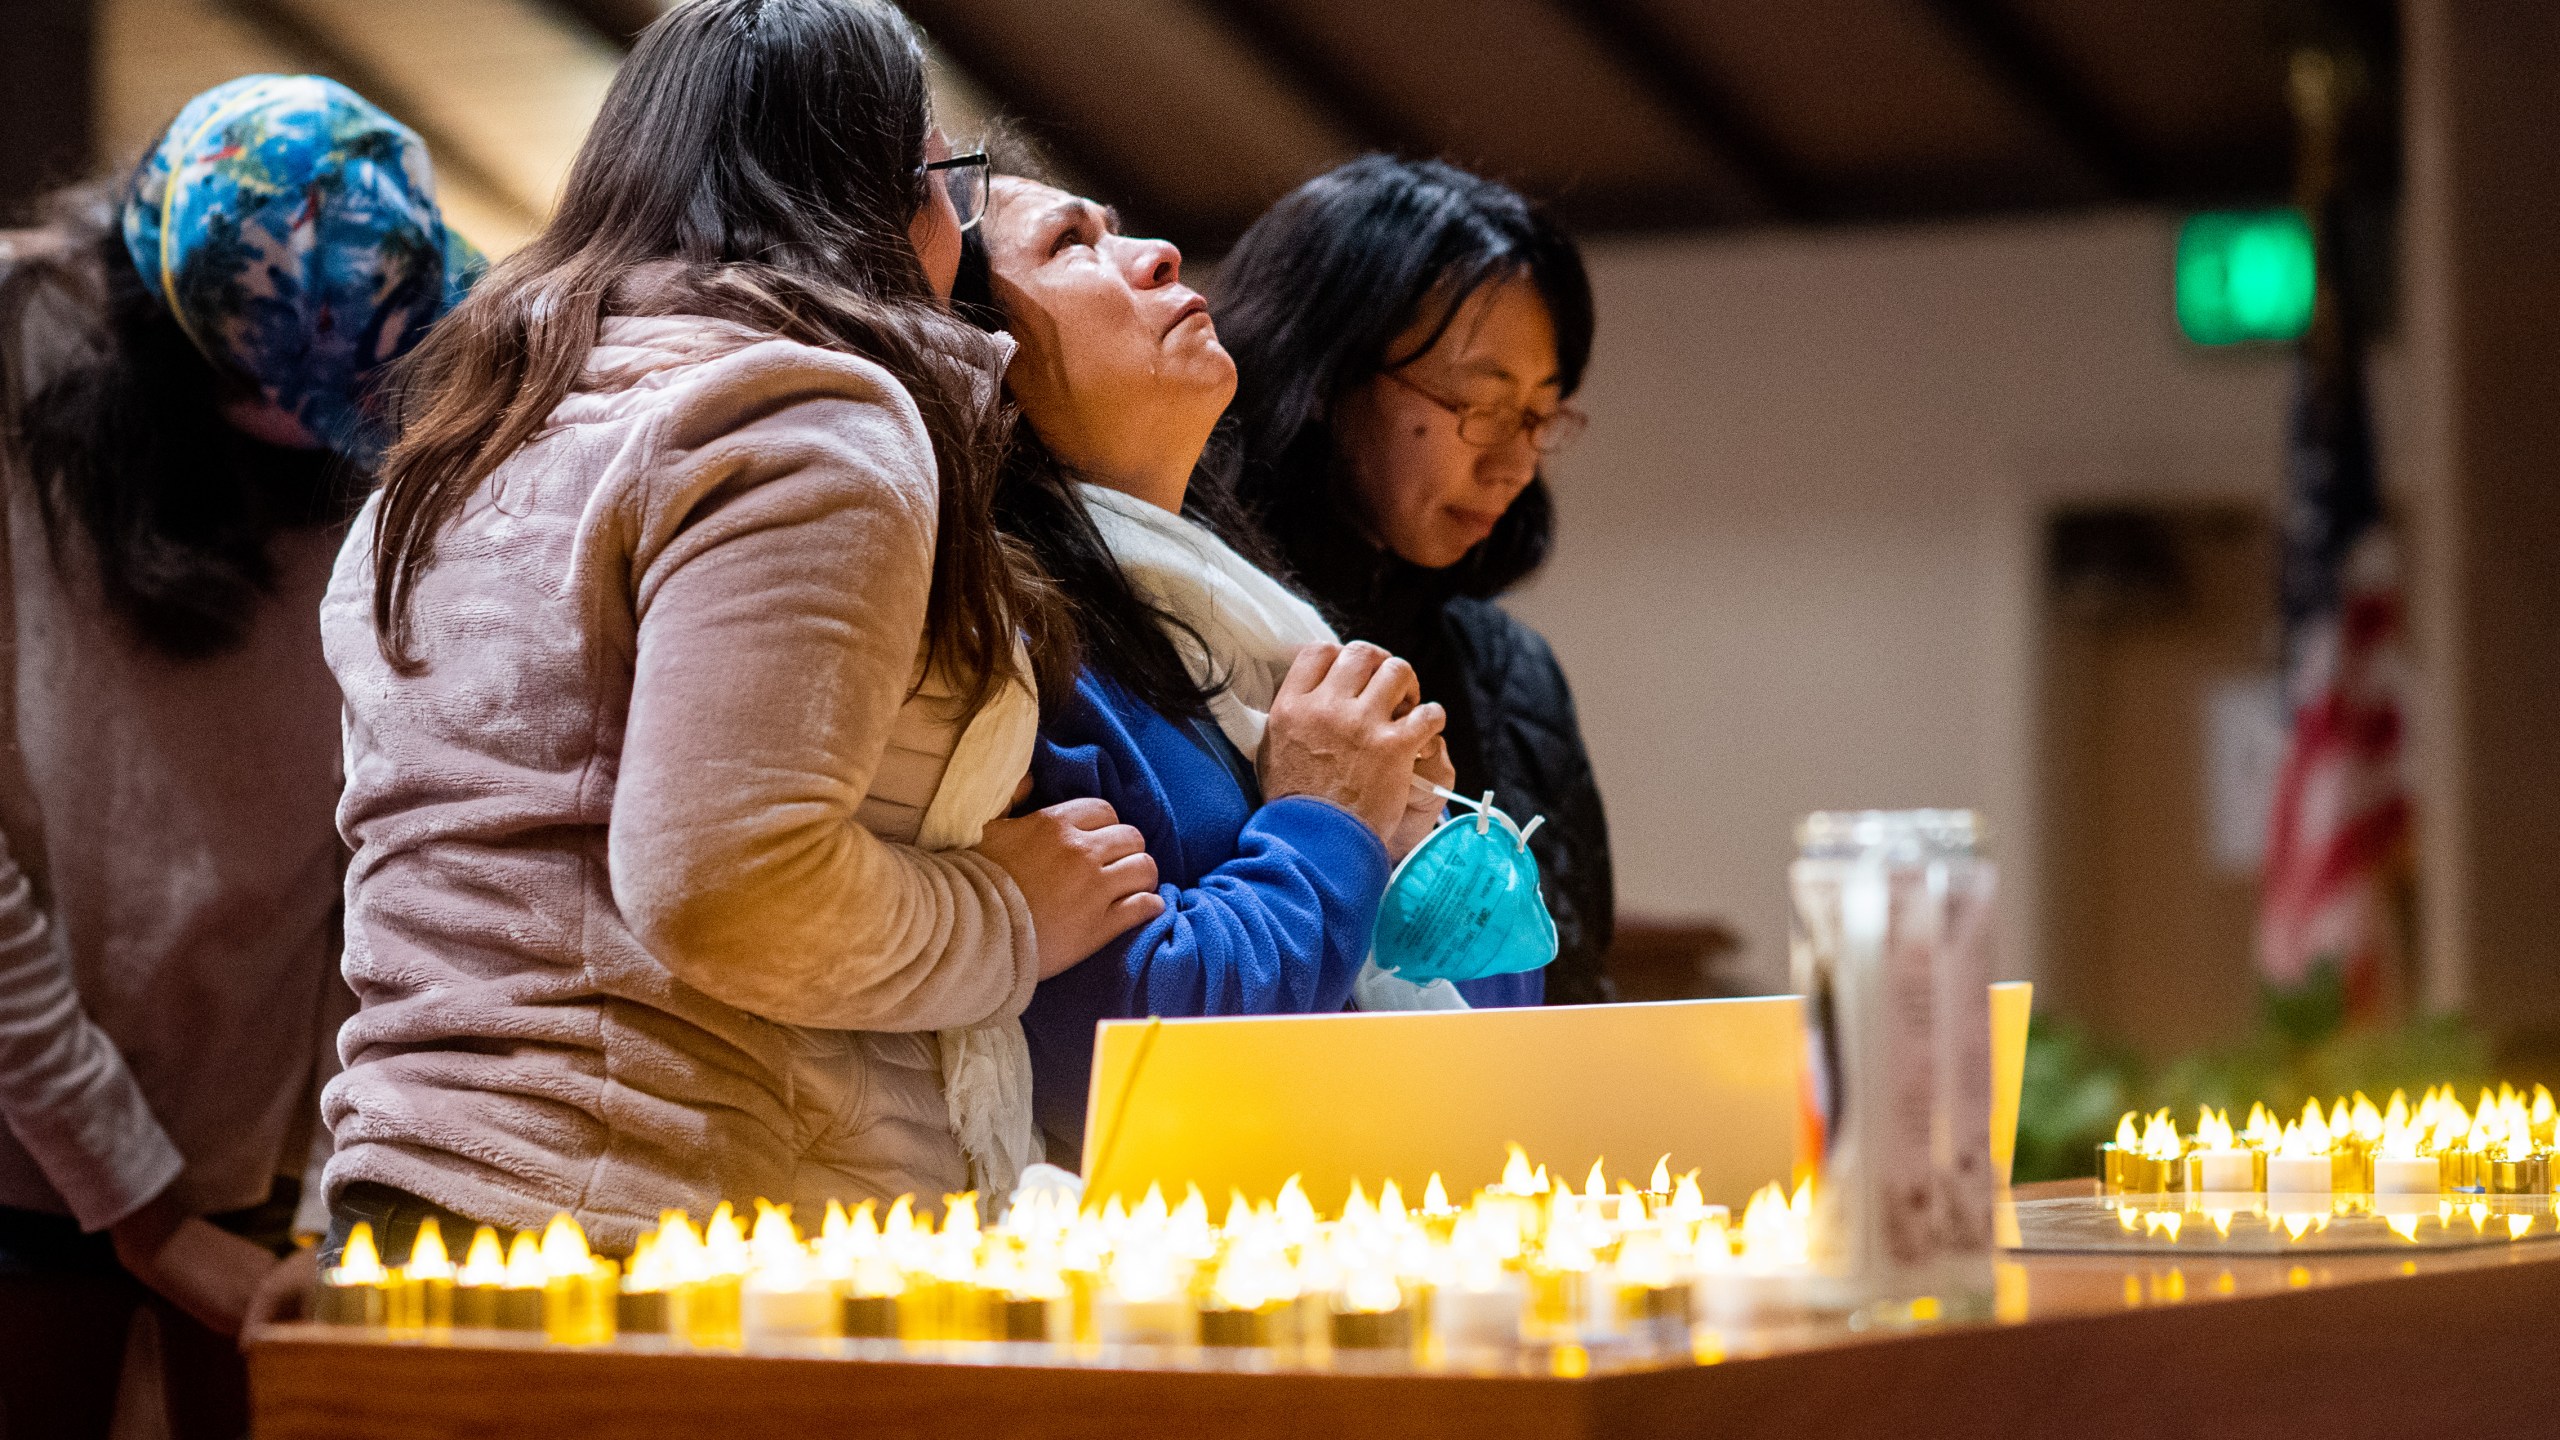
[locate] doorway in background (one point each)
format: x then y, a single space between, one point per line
2162 728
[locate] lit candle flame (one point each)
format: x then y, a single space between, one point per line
360 1263
2262 1132
2365 1120
1435 1197
484 1263
2213 1129
427 1257
525 1270
564 1248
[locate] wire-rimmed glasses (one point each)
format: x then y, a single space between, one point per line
1488 426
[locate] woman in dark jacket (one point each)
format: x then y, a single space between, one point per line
1407 337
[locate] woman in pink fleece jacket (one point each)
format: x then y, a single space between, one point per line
687 683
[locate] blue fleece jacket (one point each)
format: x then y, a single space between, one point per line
1268 907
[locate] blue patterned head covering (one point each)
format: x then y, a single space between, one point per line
291 227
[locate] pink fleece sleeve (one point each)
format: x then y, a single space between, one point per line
783 560
64 1087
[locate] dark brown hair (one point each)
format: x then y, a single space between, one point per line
768 149
117 418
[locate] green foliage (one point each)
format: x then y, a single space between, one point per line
2076 1087
2070 1098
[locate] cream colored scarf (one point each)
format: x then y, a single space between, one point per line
986 1069
1247 629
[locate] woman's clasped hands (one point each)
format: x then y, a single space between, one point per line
1350 726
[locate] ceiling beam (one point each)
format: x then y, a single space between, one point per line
2025 67
1635 43
1018 89
1350 108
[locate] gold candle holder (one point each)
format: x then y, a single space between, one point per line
1657 1311
871 1317
1028 1317
2457 1168
358 1302
640 1312
2130 1172
2529 1175
580 1308
710 1312
1559 1302
475 1307
1373 1330
417 1305
519 1307
1237 1329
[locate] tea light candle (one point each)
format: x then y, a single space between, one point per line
1148 1320
2231 1171
354 1291
1370 1314
2404 1175
520 1295
1222 1328
1482 1312
1143 1304
478 1284
422 1297
580 1291
787 1307
2298 1175
874 1293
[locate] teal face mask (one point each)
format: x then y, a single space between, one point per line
1465 903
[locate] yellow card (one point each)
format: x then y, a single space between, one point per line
2011 1000
1246 1102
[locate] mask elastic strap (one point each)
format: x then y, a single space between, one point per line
1530 829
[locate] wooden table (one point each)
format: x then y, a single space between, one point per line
2438 1343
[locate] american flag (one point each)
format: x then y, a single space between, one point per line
2335 887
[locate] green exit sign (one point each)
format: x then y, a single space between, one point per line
2244 275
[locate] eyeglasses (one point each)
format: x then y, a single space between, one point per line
968 179
1486 427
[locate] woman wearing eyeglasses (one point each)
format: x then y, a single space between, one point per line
686 689
1408 338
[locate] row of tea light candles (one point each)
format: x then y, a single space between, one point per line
1528 1260
2502 1147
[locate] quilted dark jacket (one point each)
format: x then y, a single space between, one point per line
1512 728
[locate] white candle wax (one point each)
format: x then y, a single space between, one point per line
1480 1319
2303 1175
1169 1321
1745 1294
2224 1171
2405 1175
786 1314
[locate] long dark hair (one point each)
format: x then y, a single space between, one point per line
1311 301
1118 632
769 149
120 428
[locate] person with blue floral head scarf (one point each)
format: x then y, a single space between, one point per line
187 418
